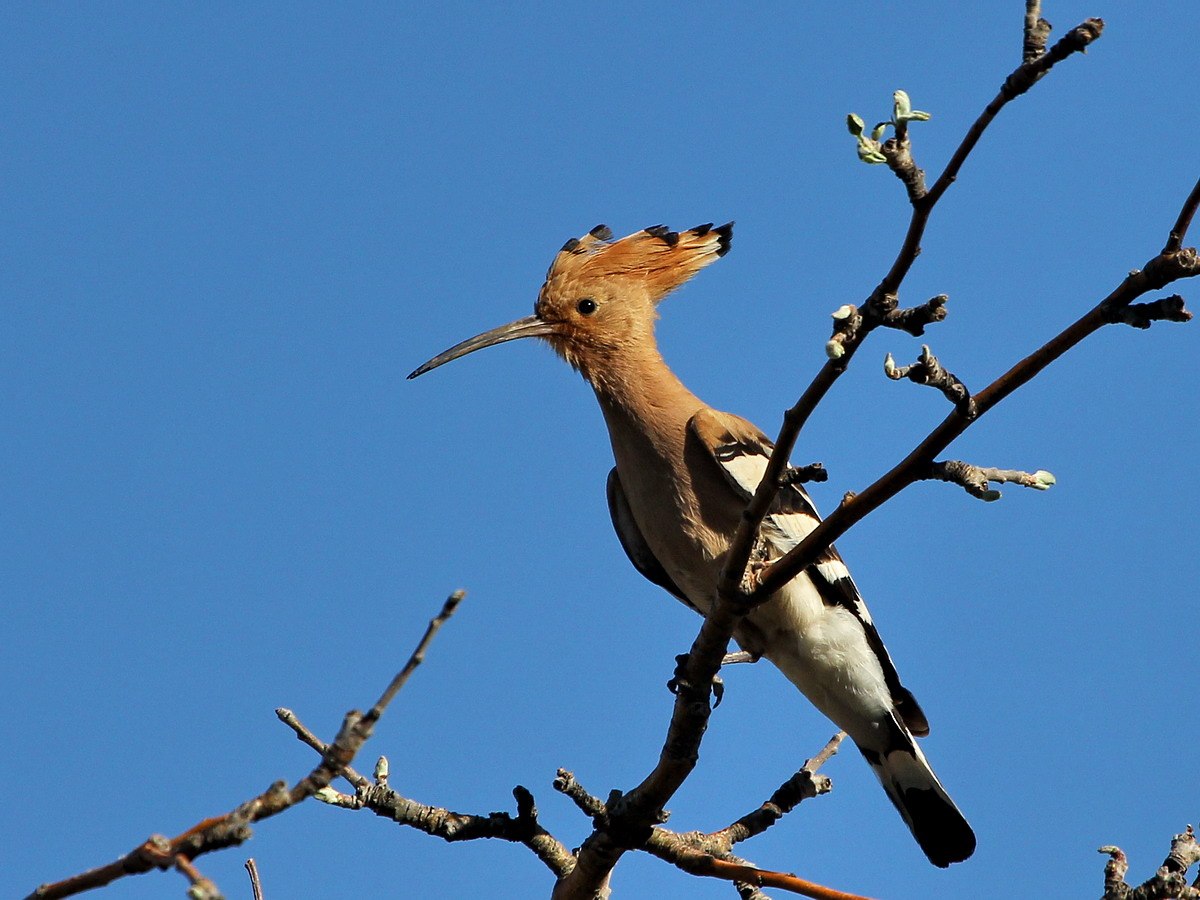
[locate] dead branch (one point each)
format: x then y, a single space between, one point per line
233 828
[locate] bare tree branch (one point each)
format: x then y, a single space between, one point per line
1168 883
1158 272
233 828
927 370
255 882
643 805
200 887
975 480
804 785
1037 31
1017 83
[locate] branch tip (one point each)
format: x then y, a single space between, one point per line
976 480
928 371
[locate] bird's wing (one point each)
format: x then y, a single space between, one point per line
741 452
634 543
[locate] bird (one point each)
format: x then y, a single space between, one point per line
684 473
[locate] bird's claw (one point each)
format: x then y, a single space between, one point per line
679 681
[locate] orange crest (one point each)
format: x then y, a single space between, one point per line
656 258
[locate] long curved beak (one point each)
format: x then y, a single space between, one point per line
530 326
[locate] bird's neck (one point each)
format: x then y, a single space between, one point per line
645 405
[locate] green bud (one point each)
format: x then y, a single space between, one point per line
902 110
855 124
1043 480
834 349
868 152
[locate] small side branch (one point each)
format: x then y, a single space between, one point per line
928 371
1037 31
1140 315
898 153
592 807
523 828
200 887
1183 222
813 472
804 785
255 881
379 798
840 351
1169 881
976 480
914 319
233 828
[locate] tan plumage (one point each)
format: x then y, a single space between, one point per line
683 476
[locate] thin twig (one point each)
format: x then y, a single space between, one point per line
1037 30
288 718
804 785
200 887
1180 229
1158 272
233 828
1017 83
418 657
255 883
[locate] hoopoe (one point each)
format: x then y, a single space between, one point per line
684 473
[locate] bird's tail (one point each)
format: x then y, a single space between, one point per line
926 808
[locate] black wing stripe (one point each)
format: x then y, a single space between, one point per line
842 591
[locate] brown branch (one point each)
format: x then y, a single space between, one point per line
1158 272
1180 229
233 828
676 850
418 657
898 153
929 372
200 887
1140 315
288 718
523 828
706 854
436 821
1037 31
976 480
804 785
1170 881
590 806
1017 83
255 883
916 318
813 472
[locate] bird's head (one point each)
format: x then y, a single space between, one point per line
598 300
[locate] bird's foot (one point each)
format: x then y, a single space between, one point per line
679 678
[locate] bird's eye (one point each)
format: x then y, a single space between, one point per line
586 306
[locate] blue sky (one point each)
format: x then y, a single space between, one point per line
230 232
